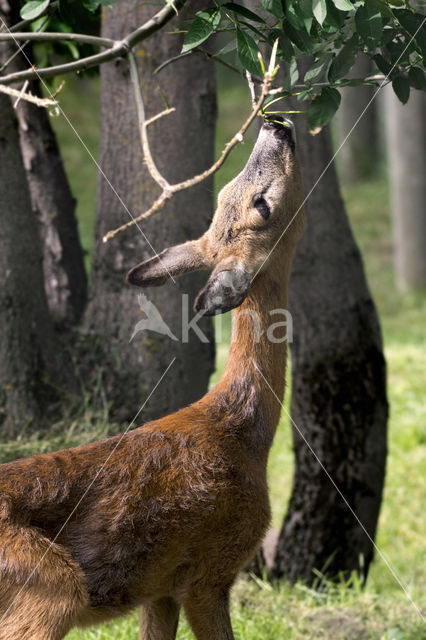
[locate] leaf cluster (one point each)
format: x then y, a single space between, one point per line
64 16
329 34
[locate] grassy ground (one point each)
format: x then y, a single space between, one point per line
381 611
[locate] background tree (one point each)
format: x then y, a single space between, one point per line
359 157
406 144
338 395
65 277
27 342
182 144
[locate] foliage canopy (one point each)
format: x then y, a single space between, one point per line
328 34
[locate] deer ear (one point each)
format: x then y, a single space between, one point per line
175 261
226 289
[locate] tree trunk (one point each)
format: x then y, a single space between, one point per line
65 277
26 337
358 158
406 138
338 397
182 145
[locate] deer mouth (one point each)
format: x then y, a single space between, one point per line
282 128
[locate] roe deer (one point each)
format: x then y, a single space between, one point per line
181 504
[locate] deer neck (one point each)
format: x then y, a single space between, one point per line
252 386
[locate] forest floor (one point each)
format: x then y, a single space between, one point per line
386 608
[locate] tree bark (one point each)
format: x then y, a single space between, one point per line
182 145
358 158
26 337
338 397
406 138
65 277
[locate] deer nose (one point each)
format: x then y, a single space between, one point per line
282 128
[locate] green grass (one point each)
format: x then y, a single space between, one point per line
381 611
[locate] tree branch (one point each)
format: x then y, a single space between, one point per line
46 36
29 97
168 189
117 49
134 76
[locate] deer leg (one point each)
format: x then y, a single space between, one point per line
208 615
159 619
41 588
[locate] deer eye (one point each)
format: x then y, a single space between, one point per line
262 206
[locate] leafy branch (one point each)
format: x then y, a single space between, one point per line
115 48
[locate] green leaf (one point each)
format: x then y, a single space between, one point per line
305 8
200 29
343 5
318 70
368 21
319 9
252 28
306 94
227 48
323 108
401 86
300 37
32 10
417 78
383 65
291 14
413 24
247 50
93 5
274 7
246 13
344 61
352 82
335 18
399 51
285 48
293 72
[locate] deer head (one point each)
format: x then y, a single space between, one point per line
254 215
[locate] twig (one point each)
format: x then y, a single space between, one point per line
56 36
134 76
166 112
376 78
170 190
22 46
118 47
251 88
209 56
21 95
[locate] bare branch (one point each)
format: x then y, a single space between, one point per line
117 49
170 190
379 77
57 36
251 88
21 47
134 76
166 112
209 56
22 95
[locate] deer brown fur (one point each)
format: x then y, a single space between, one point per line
166 515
